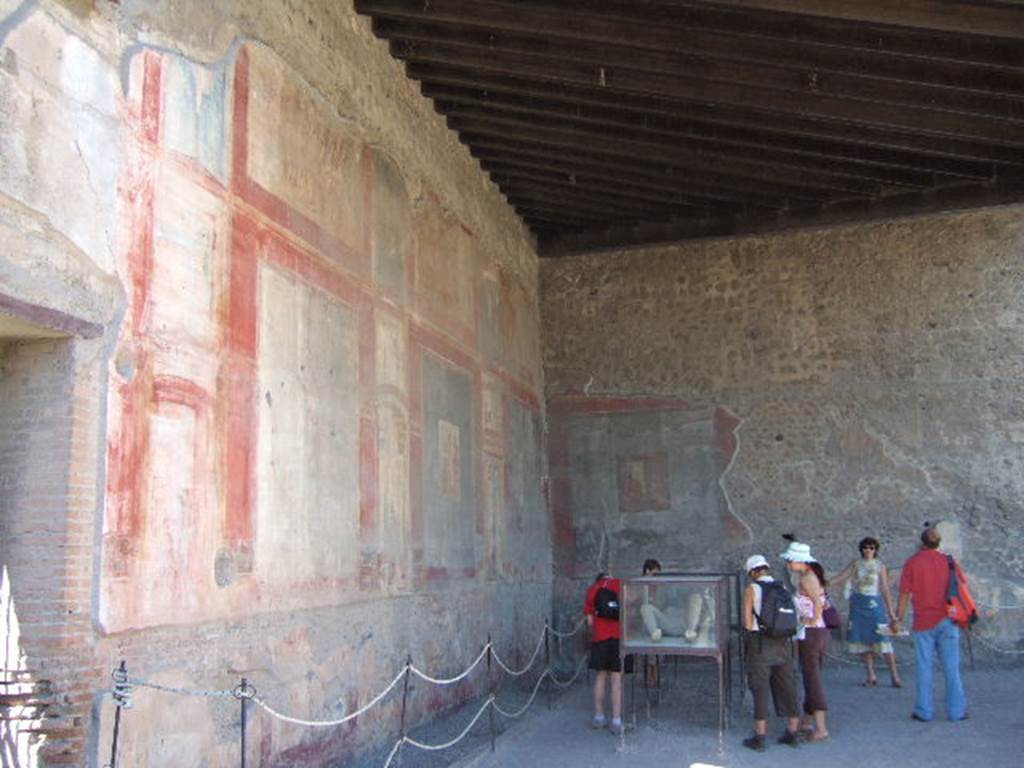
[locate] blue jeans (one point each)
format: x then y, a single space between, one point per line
943 638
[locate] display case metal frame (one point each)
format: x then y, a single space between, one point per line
725 583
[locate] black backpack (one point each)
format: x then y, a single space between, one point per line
778 616
606 603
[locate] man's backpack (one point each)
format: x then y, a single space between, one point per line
778 617
606 603
960 606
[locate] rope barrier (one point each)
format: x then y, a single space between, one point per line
999 607
991 646
439 747
457 678
564 635
579 669
330 723
524 670
533 695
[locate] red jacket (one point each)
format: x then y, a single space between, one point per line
603 629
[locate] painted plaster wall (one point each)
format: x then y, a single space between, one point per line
837 383
309 332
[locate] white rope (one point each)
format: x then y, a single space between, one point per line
526 706
572 679
394 751
577 628
450 680
991 646
185 691
457 739
331 723
529 664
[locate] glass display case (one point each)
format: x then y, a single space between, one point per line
675 614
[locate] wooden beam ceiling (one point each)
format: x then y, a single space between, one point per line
623 122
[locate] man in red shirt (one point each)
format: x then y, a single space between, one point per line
925 580
604 654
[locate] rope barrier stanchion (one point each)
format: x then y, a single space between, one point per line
244 692
122 699
405 706
491 687
547 659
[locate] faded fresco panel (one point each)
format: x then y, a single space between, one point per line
493 534
392 368
392 227
449 465
526 535
646 484
493 411
393 461
508 325
188 277
446 269
173 579
308 457
299 151
195 119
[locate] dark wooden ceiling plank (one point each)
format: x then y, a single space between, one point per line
581 210
959 197
1001 20
712 185
574 198
638 187
941 85
704 163
463 102
659 26
1009 131
559 219
542 187
803 161
579 98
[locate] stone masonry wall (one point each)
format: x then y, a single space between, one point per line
705 398
289 427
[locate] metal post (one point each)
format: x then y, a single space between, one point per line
490 680
547 658
243 688
970 647
405 702
120 677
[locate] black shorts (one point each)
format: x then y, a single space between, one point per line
604 657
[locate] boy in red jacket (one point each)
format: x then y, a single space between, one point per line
604 654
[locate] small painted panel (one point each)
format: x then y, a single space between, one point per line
643 482
188 276
493 414
446 269
508 325
194 108
449 462
392 369
300 151
393 462
392 227
308 454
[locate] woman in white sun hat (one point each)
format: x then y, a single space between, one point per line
812 638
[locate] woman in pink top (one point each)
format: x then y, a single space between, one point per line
812 638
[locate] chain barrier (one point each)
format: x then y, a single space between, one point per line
529 664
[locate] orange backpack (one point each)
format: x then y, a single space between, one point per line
960 606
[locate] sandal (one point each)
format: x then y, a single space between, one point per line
871 683
897 683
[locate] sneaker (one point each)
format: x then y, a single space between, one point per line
919 719
599 721
966 716
616 728
755 743
790 738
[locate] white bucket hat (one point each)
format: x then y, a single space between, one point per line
798 552
754 562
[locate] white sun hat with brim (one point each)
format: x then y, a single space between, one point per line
756 561
798 552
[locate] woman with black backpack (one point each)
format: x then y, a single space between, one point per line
769 616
